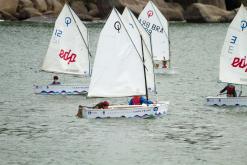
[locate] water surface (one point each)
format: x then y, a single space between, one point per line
38 129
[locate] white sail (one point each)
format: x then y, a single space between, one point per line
131 20
118 68
233 62
68 49
157 26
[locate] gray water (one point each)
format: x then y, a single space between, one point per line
38 129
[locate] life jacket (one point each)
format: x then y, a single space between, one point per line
136 100
230 89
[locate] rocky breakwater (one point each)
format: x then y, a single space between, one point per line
44 10
89 10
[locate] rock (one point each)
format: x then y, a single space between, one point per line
218 3
79 7
198 12
54 5
7 16
23 14
160 3
93 10
43 18
94 13
86 17
63 1
49 4
25 3
185 3
232 4
57 7
40 5
135 6
9 7
29 12
49 12
173 12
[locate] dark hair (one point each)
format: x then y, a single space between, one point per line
55 77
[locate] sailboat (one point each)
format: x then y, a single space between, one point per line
68 53
120 71
233 64
156 25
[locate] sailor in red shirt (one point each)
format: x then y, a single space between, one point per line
230 90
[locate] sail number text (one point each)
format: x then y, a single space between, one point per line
147 26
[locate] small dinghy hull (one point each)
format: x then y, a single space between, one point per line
227 101
61 89
126 111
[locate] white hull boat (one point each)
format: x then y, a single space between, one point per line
233 60
68 53
126 111
227 101
130 72
61 89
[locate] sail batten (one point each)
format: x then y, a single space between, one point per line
233 62
68 49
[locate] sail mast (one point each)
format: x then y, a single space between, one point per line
144 70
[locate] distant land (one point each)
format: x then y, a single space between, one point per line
198 11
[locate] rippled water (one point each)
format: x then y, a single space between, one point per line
38 129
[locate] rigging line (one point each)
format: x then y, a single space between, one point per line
129 36
150 53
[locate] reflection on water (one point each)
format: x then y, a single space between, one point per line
38 129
